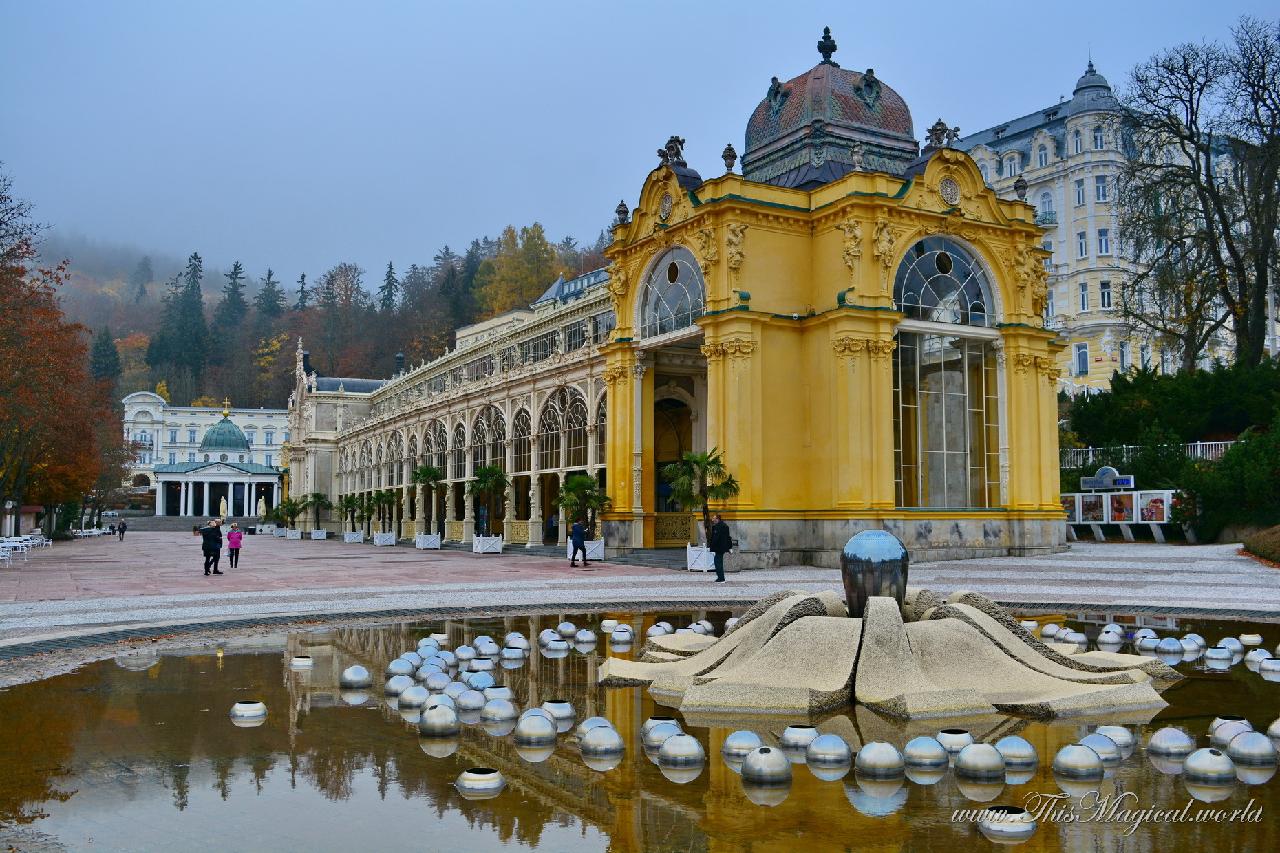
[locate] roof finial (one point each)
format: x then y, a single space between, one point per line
226 407
827 46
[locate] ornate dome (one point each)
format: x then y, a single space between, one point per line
825 123
224 437
1092 92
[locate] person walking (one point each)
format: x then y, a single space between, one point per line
720 544
234 537
122 528
578 536
211 544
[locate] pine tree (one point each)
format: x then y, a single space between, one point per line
190 339
303 294
104 359
269 300
141 276
389 290
234 305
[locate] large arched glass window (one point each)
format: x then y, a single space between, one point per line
459 452
576 432
946 411
940 281
521 430
549 426
674 294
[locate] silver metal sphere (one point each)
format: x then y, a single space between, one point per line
925 751
590 723
1169 645
681 774
1224 718
555 646
469 700
1017 752
797 737
730 623
1019 775
681 750
535 753
480 783
1190 646
498 711
413 658
427 643
1251 748
397 684
738 744
1255 774
456 689
667 627
1007 824
1076 637
1209 766
1206 792
399 666
480 664
537 712
1269 665
1028 624
355 678
442 699
607 625
980 761
698 628
250 710
656 736
437 681
601 742
1255 657
546 635
1123 738
1232 643
480 681
655 631
1142 633
1197 639
1110 638
516 641
1150 644
656 719
1107 749
438 721
922 775
487 650
621 635
480 639
1218 659
535 730
559 709
1076 761
499 691
354 698
415 697
1251 639
1112 626
464 653
828 750
442 639
426 669
449 658
766 765
879 760
584 636
1223 734
1050 630
954 740
566 629
512 653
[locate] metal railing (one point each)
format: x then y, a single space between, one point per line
1083 457
1047 217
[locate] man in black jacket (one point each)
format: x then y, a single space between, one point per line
211 544
720 545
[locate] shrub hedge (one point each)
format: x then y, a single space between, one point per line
1265 544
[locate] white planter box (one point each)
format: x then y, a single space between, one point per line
266 529
382 539
319 534
595 549
699 558
293 534
353 538
486 545
427 541
278 532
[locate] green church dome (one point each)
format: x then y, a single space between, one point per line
224 437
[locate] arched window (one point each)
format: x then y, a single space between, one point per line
674 294
1011 165
602 411
940 281
946 427
488 437
549 427
1042 156
1077 142
1046 203
459 452
437 446
1099 140
576 431
521 436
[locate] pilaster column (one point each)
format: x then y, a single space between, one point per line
535 494
205 488
182 499
421 520
563 528
159 497
592 454
468 505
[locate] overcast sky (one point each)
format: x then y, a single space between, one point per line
301 134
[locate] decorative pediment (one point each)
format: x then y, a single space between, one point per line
951 184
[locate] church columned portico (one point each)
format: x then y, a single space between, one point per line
220 473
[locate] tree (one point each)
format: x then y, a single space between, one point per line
348 506
1212 112
697 479
179 350
318 502
289 509
141 276
489 487
432 480
525 264
390 290
269 301
104 360
234 305
583 497
384 502
365 510
303 294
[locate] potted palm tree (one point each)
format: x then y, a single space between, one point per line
489 489
583 499
290 509
364 513
384 502
348 506
318 502
696 480
431 479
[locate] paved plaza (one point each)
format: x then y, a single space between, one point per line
155 578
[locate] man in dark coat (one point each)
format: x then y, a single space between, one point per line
578 536
122 528
720 544
211 544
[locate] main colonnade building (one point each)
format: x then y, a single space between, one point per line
855 324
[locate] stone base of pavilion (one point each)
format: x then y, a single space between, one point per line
798 654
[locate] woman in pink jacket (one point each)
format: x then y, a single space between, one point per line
234 537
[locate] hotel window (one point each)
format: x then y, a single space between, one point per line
267 460
1011 165
268 438
249 435
191 436
173 458
1084 296
1098 139
1082 244
1077 142
1100 188
286 435
1104 241
1144 356
173 436
1079 193
1124 355
191 456
1049 309
1047 245
1104 294
1082 359
1042 156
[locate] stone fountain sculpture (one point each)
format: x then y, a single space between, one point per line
907 655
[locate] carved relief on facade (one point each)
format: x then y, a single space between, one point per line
735 348
735 253
885 240
708 252
851 252
611 375
847 347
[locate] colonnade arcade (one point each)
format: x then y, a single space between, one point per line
536 438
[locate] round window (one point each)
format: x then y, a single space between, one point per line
944 264
222 458
673 272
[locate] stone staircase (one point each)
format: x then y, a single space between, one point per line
657 558
172 522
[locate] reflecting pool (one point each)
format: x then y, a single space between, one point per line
140 753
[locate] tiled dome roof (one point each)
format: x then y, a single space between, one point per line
816 117
224 437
